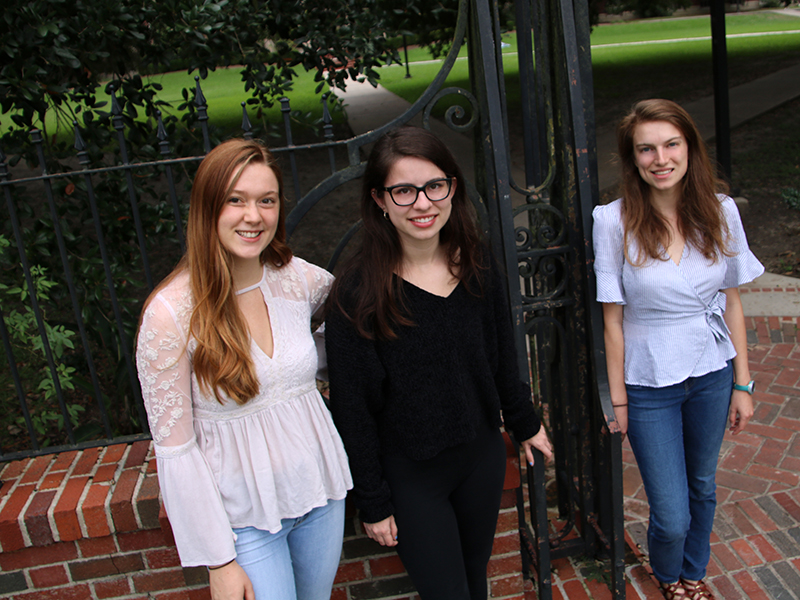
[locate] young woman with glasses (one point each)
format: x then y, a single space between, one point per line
669 257
421 364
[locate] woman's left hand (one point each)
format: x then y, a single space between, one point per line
741 410
541 442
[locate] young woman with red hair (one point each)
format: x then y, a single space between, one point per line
252 471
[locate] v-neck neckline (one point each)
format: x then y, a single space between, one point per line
450 295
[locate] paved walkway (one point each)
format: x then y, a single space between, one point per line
756 539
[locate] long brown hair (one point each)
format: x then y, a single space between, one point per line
700 218
378 305
222 361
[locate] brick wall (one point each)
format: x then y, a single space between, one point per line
88 524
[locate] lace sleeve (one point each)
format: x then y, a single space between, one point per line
165 375
189 489
318 283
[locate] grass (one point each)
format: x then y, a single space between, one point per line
670 29
224 93
680 70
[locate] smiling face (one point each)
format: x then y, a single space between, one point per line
249 217
661 155
422 221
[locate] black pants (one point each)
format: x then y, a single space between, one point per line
446 512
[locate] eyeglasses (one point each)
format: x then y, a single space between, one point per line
406 194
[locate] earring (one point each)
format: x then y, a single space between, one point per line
386 215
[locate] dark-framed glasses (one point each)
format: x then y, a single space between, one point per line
406 194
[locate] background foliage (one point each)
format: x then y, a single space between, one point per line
55 54
56 58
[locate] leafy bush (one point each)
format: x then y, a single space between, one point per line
29 352
792 197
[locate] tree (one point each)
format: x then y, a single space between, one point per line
57 53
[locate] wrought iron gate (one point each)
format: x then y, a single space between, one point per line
538 218
541 225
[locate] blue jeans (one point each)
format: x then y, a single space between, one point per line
676 433
300 561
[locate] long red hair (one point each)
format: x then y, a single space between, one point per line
222 361
700 216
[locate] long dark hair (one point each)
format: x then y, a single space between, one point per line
700 216
378 306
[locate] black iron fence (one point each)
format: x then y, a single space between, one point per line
80 249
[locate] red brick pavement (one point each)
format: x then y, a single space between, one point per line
756 540
755 546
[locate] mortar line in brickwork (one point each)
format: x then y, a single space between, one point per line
135 495
51 511
23 528
121 462
79 509
107 504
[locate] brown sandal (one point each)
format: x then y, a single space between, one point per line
697 590
673 591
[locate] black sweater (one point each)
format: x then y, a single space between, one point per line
432 388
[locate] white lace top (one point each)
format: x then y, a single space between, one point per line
226 466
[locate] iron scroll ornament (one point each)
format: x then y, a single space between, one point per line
454 112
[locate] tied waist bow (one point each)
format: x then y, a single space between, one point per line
715 317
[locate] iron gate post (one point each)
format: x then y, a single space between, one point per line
541 229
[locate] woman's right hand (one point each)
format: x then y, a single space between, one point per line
621 414
230 583
384 532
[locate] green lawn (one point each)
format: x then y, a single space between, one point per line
678 70
224 92
668 29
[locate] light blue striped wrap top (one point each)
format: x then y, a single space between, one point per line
673 323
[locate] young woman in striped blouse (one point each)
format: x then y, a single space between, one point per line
670 255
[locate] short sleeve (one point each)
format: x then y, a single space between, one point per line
318 284
743 267
609 253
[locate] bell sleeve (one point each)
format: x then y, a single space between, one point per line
609 253
743 267
189 489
